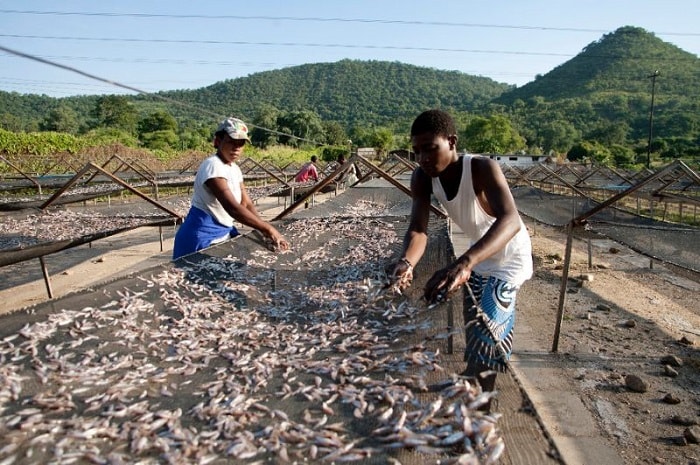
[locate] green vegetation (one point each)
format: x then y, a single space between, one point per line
603 96
595 106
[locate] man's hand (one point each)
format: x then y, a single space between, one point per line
445 282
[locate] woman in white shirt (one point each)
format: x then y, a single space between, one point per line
220 197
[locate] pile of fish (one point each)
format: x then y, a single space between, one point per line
61 224
57 225
298 357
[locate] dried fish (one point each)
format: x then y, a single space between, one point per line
204 362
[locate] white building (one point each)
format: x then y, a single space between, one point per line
517 160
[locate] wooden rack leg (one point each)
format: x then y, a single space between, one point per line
562 288
450 327
47 278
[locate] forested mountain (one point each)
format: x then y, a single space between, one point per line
601 97
620 62
604 93
347 91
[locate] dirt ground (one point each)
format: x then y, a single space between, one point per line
621 319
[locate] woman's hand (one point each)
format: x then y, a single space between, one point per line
401 276
445 282
277 240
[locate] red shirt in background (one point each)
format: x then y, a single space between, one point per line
308 171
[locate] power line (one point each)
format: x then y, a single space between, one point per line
322 19
310 44
281 44
163 61
297 44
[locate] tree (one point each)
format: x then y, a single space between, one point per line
60 119
10 122
609 132
335 134
622 156
492 135
158 130
108 136
589 151
160 140
361 136
159 120
196 139
679 147
265 117
304 124
116 111
381 139
558 136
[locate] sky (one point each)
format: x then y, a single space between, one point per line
127 46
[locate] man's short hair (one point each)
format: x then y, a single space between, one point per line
314 158
436 121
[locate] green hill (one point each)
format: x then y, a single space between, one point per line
618 63
348 91
602 95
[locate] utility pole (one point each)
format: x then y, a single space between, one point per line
653 77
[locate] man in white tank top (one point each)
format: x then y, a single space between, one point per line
476 195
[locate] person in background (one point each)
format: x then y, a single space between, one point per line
220 197
350 176
308 171
476 196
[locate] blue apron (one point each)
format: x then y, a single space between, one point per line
198 231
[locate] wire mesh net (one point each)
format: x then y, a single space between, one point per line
372 199
676 244
258 355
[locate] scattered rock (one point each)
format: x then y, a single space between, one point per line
100 260
671 399
685 341
603 266
559 267
668 371
672 360
603 307
554 256
659 460
614 250
636 384
586 277
692 435
629 323
66 272
682 421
